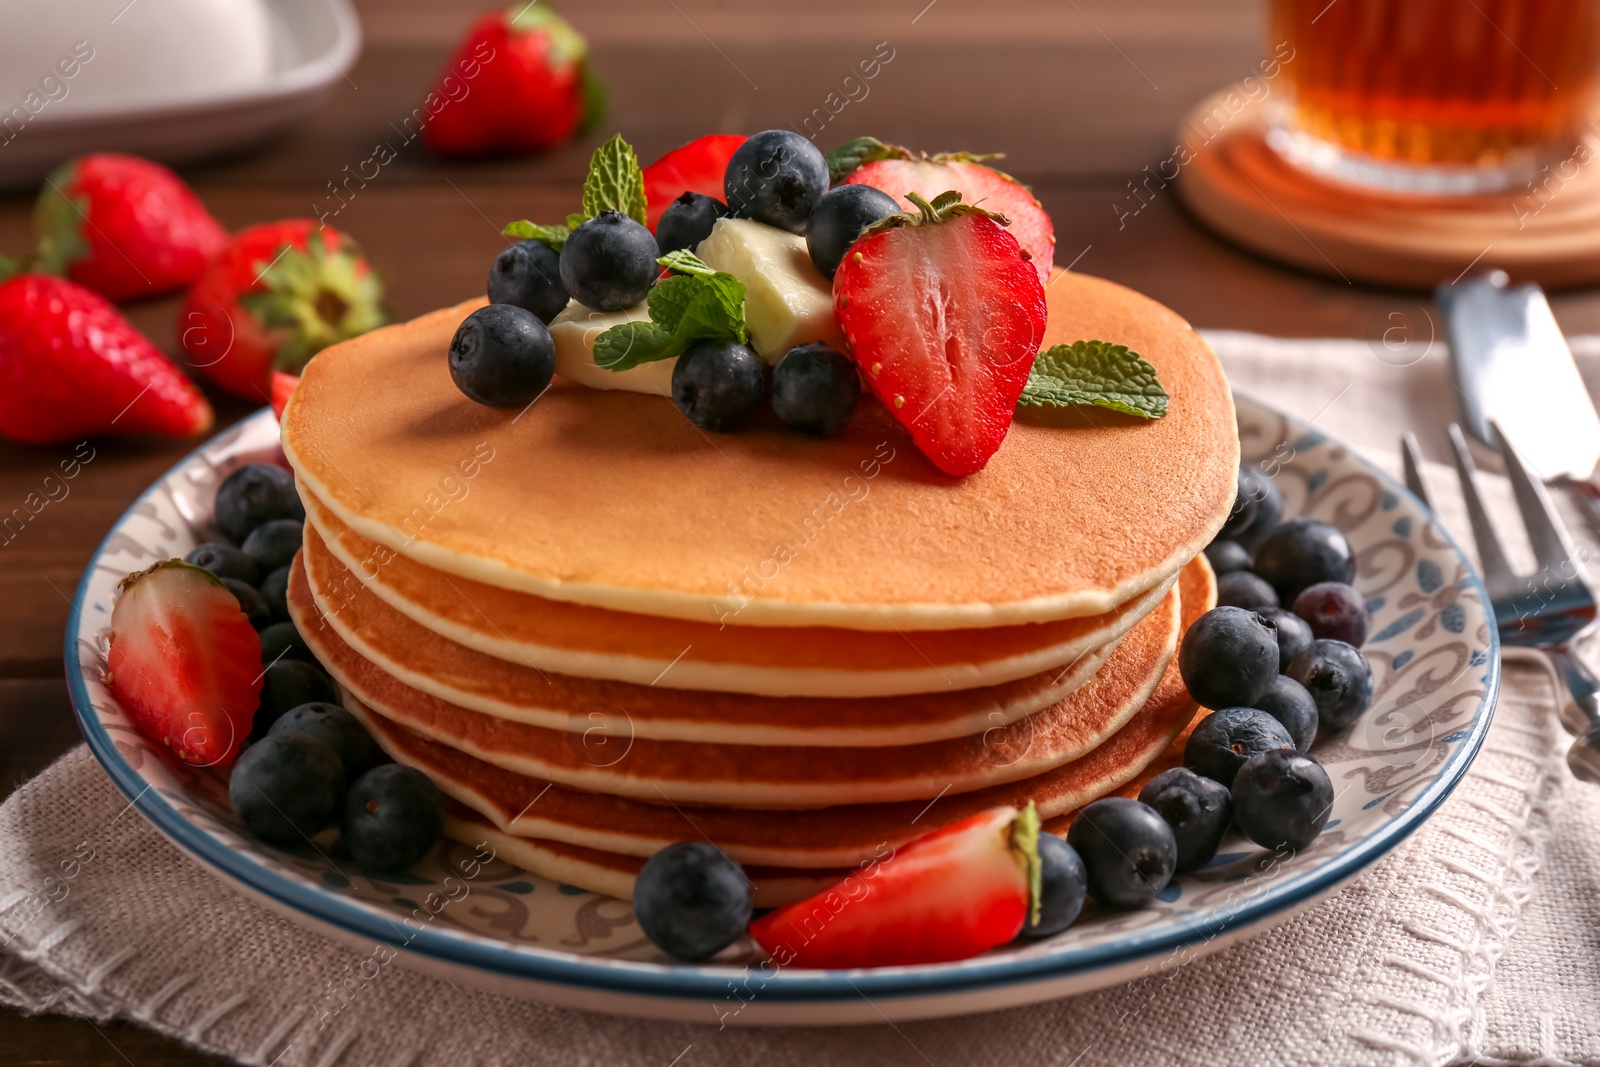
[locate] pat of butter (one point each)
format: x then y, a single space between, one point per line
787 300
575 331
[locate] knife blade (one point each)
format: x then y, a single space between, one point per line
1512 366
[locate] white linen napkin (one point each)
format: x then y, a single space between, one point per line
1477 941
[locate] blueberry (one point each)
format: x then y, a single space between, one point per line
286 685
253 495
1228 657
1241 589
688 221
336 728
282 641
838 220
528 275
1198 810
275 591
1302 553
1293 633
609 263
1062 887
717 383
1281 799
1287 701
273 544
776 177
1226 557
1339 679
250 602
691 900
1334 609
392 816
1257 509
1223 740
286 787
1128 851
815 390
502 356
225 561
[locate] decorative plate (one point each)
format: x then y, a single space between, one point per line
1433 648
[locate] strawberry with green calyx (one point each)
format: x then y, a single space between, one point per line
899 172
943 315
615 182
280 293
697 167
521 80
184 661
72 366
948 895
123 226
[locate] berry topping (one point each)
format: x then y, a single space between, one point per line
717 384
285 685
1063 885
1241 589
1334 610
225 561
609 262
1228 657
274 590
392 816
1257 509
336 728
250 602
184 661
286 788
1226 557
691 900
1338 677
502 356
273 544
697 167
282 641
1293 633
838 220
253 495
815 390
1281 799
1287 701
1303 553
1197 808
688 221
776 177
527 274
1223 740
1128 851
943 317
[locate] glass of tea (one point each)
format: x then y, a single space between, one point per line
1435 97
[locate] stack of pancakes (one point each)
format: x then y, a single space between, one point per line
601 630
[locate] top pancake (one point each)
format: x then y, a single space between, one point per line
614 500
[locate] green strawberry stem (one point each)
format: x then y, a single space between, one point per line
942 208
168 564
1025 843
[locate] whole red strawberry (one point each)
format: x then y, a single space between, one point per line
897 172
277 295
519 81
123 226
944 317
185 661
697 167
71 365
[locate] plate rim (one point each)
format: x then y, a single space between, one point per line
685 982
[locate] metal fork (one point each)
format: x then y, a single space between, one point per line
1546 610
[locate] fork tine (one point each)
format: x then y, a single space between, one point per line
1497 572
1411 460
1551 546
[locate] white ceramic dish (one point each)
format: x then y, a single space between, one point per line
314 44
1434 651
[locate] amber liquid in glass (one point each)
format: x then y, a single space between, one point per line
1464 85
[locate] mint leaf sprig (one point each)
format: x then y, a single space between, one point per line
1097 373
615 183
698 304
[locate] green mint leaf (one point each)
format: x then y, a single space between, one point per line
554 236
615 181
853 155
686 262
575 220
1094 372
684 308
669 300
625 346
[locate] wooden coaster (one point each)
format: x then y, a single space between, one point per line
1546 232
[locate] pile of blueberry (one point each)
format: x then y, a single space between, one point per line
503 356
310 762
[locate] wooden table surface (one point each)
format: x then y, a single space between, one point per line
1081 95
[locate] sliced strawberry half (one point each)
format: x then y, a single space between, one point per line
928 176
283 386
944 317
697 167
185 661
946 896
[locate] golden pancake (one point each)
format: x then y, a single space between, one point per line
761 775
422 660
555 635
614 500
